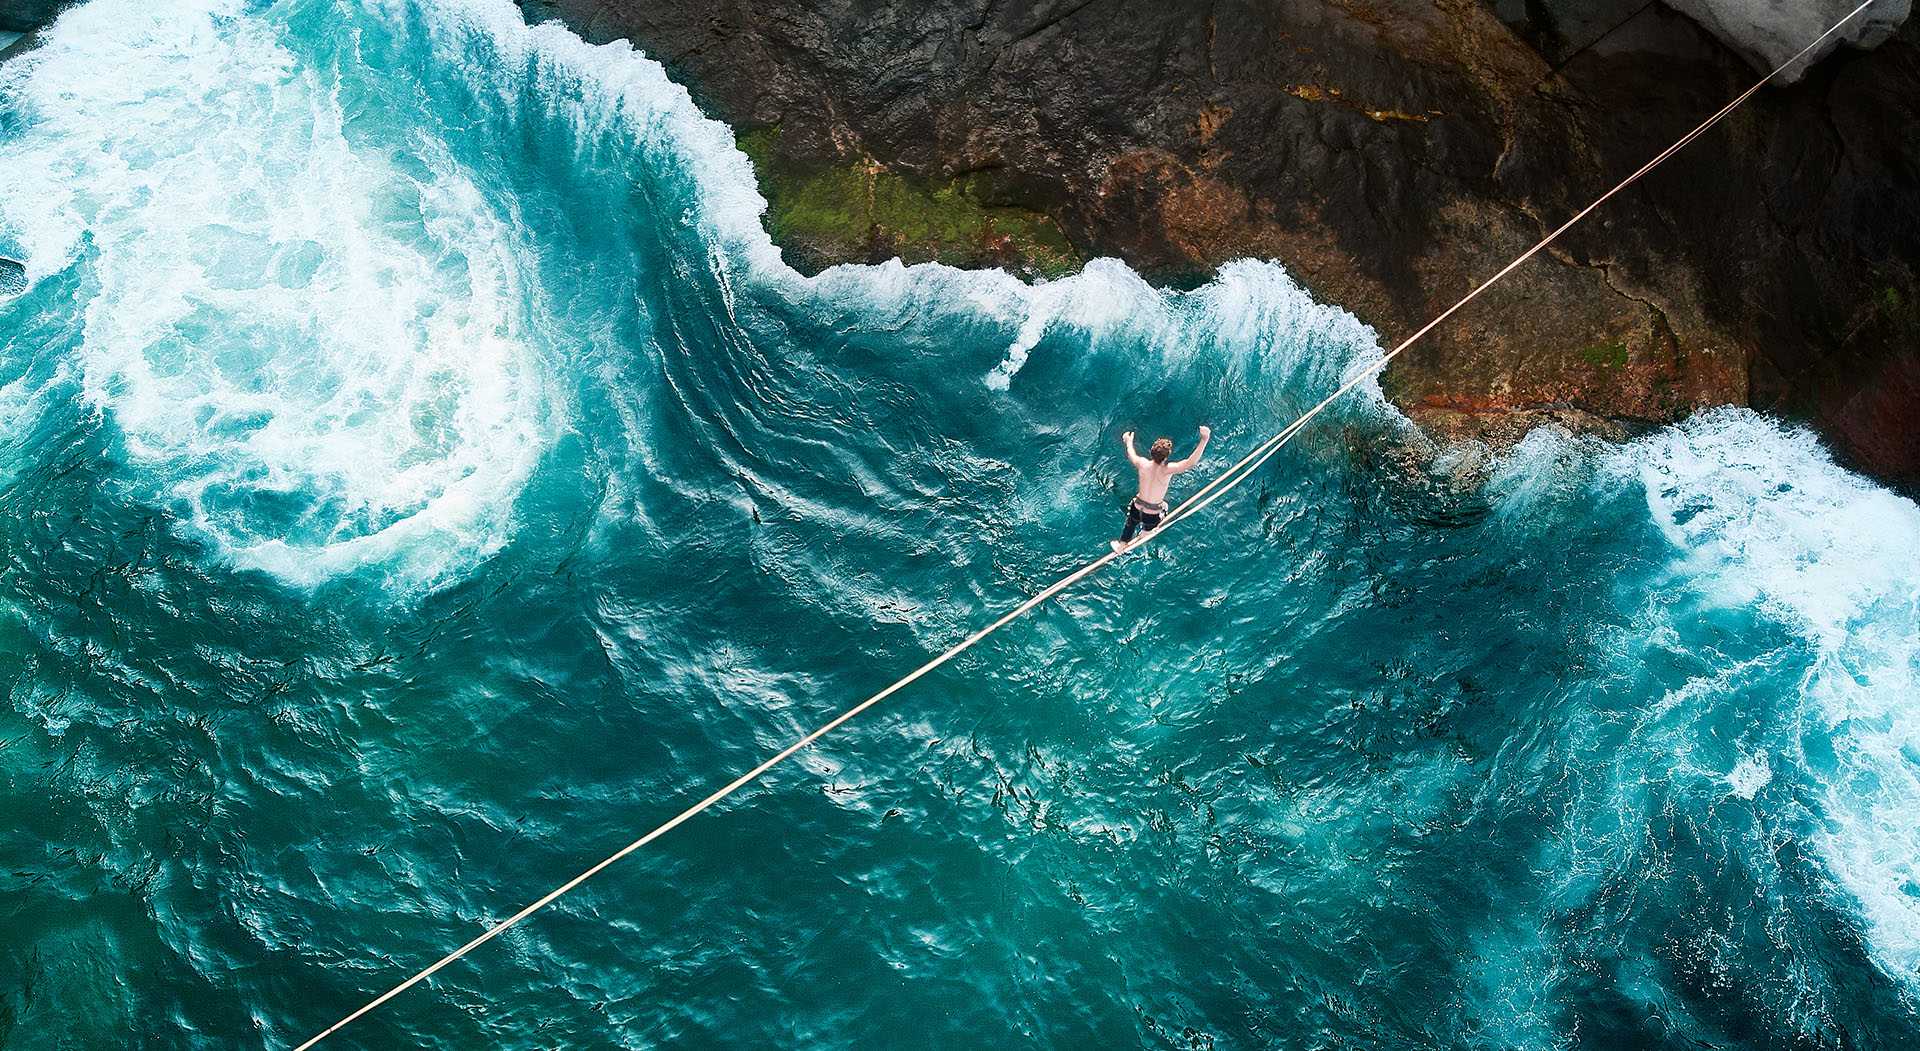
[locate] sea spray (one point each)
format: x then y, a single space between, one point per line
1760 516
313 348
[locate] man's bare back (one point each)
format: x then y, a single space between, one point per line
1156 474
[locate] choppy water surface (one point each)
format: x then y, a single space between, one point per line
418 474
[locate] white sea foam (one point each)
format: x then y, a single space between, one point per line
1758 514
1751 774
1099 300
315 350
1545 469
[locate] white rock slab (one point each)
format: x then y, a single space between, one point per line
1768 32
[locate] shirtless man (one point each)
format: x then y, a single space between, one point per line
1150 503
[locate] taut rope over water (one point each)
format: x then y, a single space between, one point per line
1221 484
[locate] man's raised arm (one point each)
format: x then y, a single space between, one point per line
1193 460
1132 457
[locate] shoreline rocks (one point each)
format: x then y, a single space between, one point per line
25 16
1391 154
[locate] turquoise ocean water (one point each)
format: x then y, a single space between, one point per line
419 475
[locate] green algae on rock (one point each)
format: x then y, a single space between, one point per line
861 209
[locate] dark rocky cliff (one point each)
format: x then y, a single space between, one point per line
25 16
1390 152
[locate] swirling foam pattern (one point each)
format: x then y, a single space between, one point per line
317 349
419 472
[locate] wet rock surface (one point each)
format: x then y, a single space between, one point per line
25 16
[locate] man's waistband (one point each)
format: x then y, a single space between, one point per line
1145 508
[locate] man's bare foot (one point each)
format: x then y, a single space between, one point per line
1118 546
